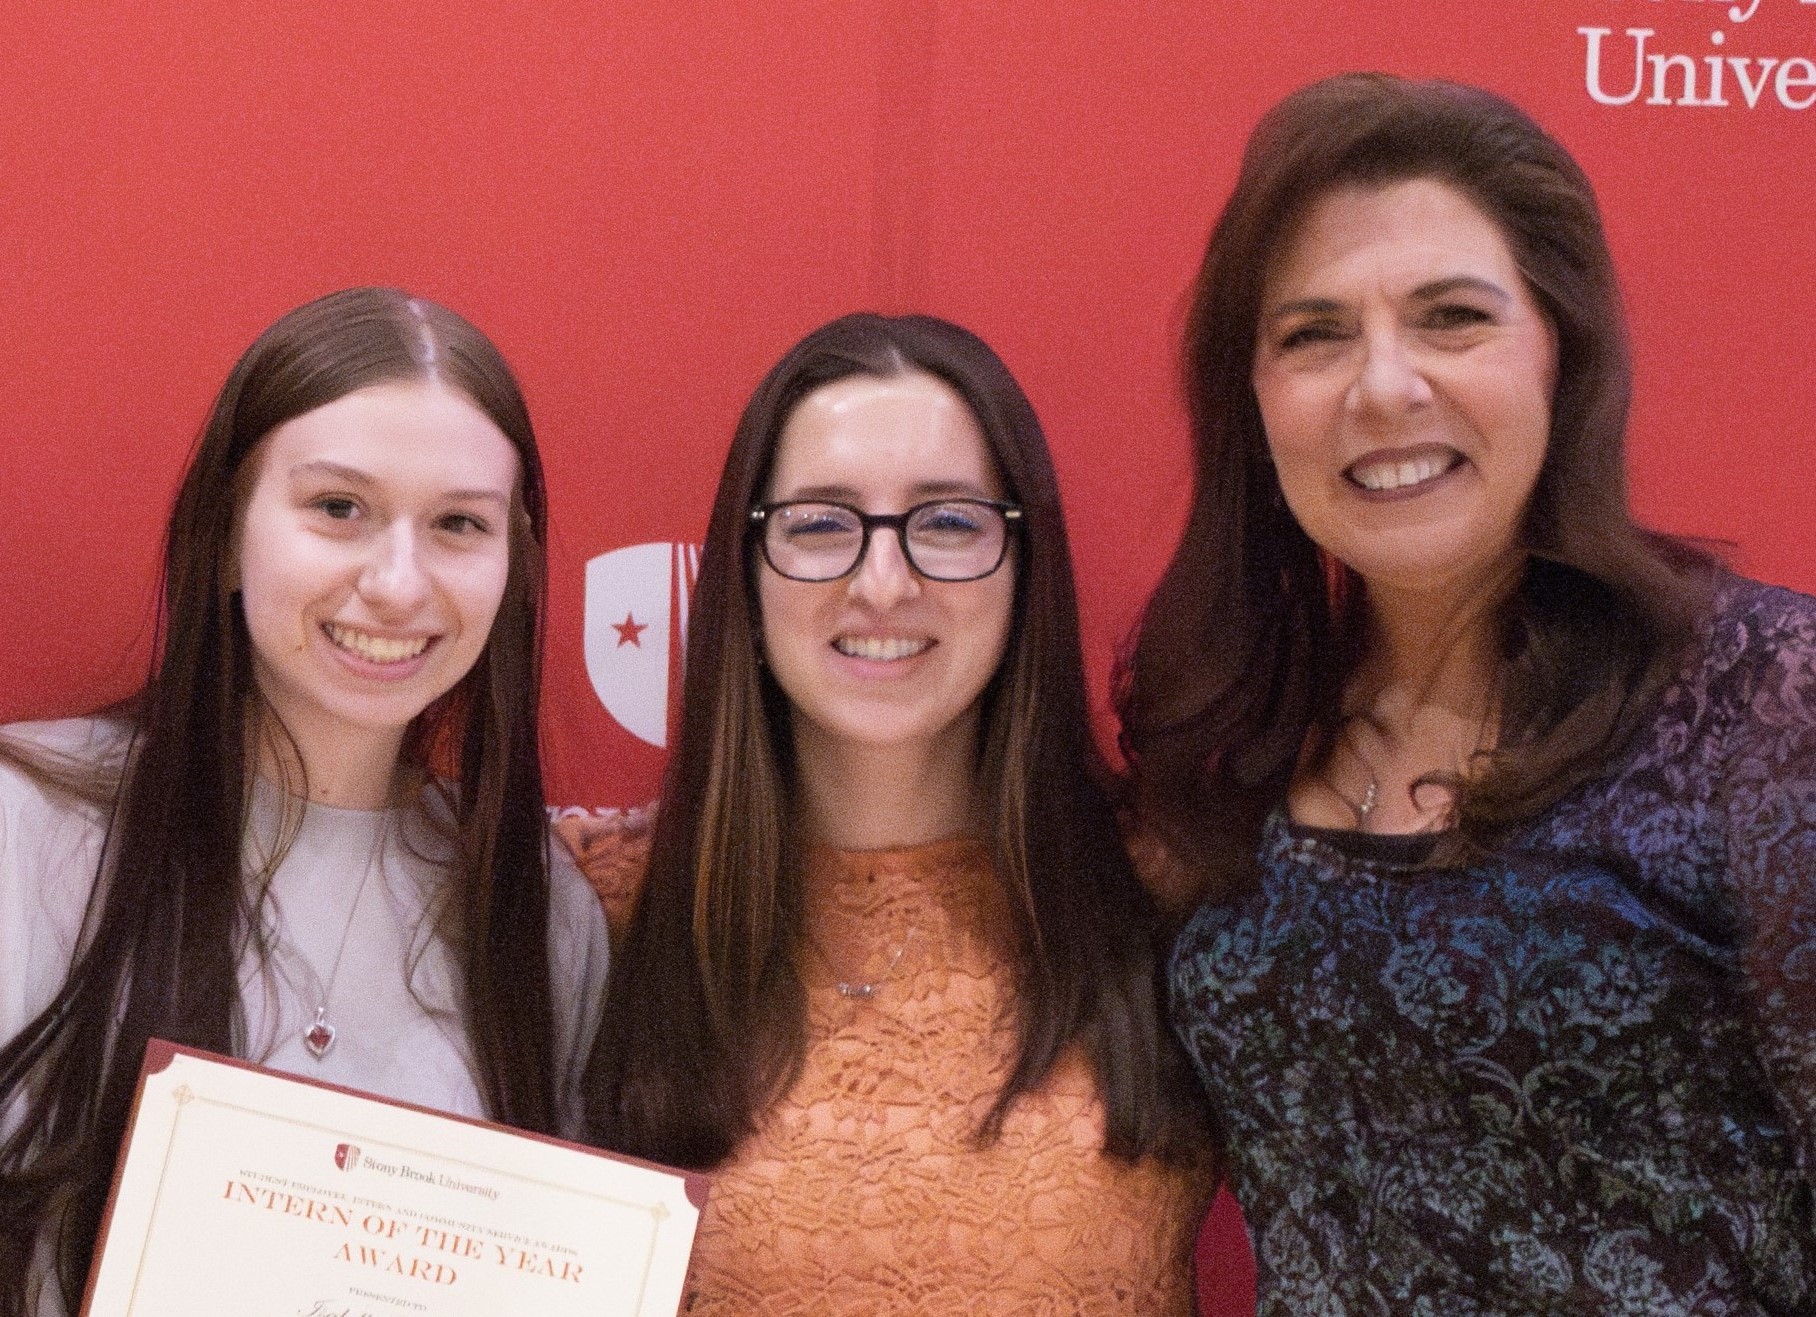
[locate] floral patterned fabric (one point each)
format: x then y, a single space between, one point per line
1580 1078
864 1191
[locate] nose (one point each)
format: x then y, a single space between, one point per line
884 578
1388 380
394 578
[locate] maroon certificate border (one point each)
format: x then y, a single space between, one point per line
159 1053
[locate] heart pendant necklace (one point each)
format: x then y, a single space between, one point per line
319 1037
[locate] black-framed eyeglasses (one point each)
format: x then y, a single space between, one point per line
945 539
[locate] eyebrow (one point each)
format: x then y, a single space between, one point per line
352 475
1462 283
1426 292
922 490
1303 306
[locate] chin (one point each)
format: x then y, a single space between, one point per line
872 737
1431 572
873 732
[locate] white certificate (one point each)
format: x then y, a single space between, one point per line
241 1191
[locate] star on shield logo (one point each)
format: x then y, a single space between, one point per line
636 632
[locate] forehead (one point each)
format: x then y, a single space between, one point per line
1411 229
882 436
416 436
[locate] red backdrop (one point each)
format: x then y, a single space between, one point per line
644 205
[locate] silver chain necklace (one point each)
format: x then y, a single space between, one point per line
859 990
319 1035
1371 796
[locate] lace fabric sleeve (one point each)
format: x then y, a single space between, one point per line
1770 793
612 850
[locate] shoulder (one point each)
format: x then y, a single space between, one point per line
574 913
611 849
50 847
94 741
579 958
1753 615
53 770
1741 717
1760 655
1173 883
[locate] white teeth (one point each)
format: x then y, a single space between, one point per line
1400 475
886 649
375 649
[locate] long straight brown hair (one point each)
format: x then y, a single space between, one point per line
1244 650
705 1015
171 898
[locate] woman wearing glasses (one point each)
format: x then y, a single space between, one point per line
883 964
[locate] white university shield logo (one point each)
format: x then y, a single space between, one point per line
636 632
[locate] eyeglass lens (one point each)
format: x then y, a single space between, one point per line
952 540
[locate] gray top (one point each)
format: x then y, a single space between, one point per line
360 886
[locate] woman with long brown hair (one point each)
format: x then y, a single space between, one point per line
1503 808
883 966
315 839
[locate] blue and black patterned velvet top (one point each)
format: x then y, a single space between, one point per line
1580 1078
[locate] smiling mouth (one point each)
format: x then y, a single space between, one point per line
374 649
886 649
1384 475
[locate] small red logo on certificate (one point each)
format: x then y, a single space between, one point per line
346 1156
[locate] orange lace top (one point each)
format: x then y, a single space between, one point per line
864 1192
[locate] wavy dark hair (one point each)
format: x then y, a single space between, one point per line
1241 657
158 955
705 1015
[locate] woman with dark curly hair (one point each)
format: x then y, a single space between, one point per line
1502 809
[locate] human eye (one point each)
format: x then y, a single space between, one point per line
816 523
335 507
1456 315
464 524
1309 333
952 523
